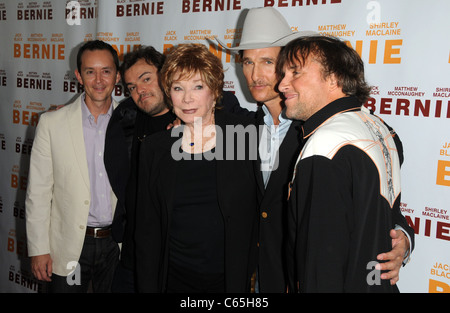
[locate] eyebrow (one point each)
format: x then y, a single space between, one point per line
260 59
139 77
145 73
92 68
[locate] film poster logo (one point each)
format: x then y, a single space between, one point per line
71 84
38 46
24 279
2 141
336 30
409 101
132 42
198 36
3 78
229 85
19 210
412 101
129 8
19 179
23 146
108 37
443 167
439 271
2 11
442 95
433 222
382 44
27 114
298 3
33 10
34 80
16 244
76 11
197 6
170 37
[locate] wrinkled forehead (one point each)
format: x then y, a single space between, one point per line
296 59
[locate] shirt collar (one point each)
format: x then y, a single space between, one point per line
86 114
338 106
268 120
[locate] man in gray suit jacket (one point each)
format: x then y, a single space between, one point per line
69 202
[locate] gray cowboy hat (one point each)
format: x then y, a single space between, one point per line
263 28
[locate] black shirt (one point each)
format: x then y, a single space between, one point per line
197 229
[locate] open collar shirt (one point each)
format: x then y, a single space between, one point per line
271 138
100 211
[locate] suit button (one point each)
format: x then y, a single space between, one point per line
86 202
264 214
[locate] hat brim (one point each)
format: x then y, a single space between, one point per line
245 46
261 45
285 40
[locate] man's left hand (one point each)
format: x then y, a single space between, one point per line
394 258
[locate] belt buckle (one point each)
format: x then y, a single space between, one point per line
96 229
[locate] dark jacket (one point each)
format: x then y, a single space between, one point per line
344 201
273 206
236 196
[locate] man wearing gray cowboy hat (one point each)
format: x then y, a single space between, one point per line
265 32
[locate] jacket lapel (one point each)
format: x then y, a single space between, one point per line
289 149
74 120
170 174
222 170
257 164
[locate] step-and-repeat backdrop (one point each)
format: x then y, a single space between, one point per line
405 45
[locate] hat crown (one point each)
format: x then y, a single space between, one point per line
264 26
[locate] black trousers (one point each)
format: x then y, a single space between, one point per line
95 270
182 280
123 281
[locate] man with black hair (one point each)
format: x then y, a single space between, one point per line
138 116
70 203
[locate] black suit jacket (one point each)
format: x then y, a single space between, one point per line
273 205
236 196
117 155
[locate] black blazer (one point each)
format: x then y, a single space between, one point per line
236 185
273 205
117 156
